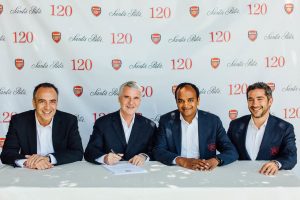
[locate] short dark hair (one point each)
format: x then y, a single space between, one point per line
260 85
182 85
44 85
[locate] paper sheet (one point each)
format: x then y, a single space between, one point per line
124 168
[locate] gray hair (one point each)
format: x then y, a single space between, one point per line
130 84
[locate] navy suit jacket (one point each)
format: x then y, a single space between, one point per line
21 138
278 142
212 137
108 134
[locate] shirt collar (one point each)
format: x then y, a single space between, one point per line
124 122
40 126
183 120
254 126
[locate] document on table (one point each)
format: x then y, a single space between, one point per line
124 168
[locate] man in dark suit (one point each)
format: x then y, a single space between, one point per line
189 137
122 134
262 136
41 138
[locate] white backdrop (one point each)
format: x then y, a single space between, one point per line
221 46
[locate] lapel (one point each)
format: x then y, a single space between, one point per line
176 130
202 131
267 138
136 132
55 130
118 128
242 132
32 134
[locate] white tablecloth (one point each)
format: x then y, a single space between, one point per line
239 180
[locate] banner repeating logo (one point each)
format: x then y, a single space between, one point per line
116 64
174 89
78 90
233 114
19 63
215 62
155 37
252 35
272 86
289 7
56 36
1 9
194 11
96 10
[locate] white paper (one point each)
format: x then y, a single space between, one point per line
124 168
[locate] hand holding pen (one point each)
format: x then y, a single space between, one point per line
112 157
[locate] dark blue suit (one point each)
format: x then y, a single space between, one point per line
21 138
212 137
278 142
108 134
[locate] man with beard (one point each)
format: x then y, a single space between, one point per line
262 136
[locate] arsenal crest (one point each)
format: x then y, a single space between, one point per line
272 86
194 11
174 89
19 63
96 10
211 147
215 62
116 64
155 37
274 151
78 90
56 36
252 35
1 9
233 114
288 7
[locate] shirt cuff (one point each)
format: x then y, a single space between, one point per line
53 159
174 161
20 162
147 158
101 159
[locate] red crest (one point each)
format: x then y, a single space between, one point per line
252 35
96 10
2 139
215 62
194 11
19 63
272 86
78 90
211 147
155 37
288 7
56 36
174 89
1 9
233 114
116 64
274 151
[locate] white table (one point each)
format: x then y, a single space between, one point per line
82 180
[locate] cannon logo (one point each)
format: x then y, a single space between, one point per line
272 86
19 63
194 11
116 64
56 36
252 35
289 7
155 37
78 90
215 62
1 9
211 147
233 114
96 10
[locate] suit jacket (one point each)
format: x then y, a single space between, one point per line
278 142
212 137
108 134
21 138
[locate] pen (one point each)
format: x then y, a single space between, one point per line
112 151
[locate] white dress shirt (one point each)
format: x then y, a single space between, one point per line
189 138
254 137
44 142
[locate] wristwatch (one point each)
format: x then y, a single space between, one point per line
220 162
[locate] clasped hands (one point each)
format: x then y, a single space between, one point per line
113 158
197 164
37 162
